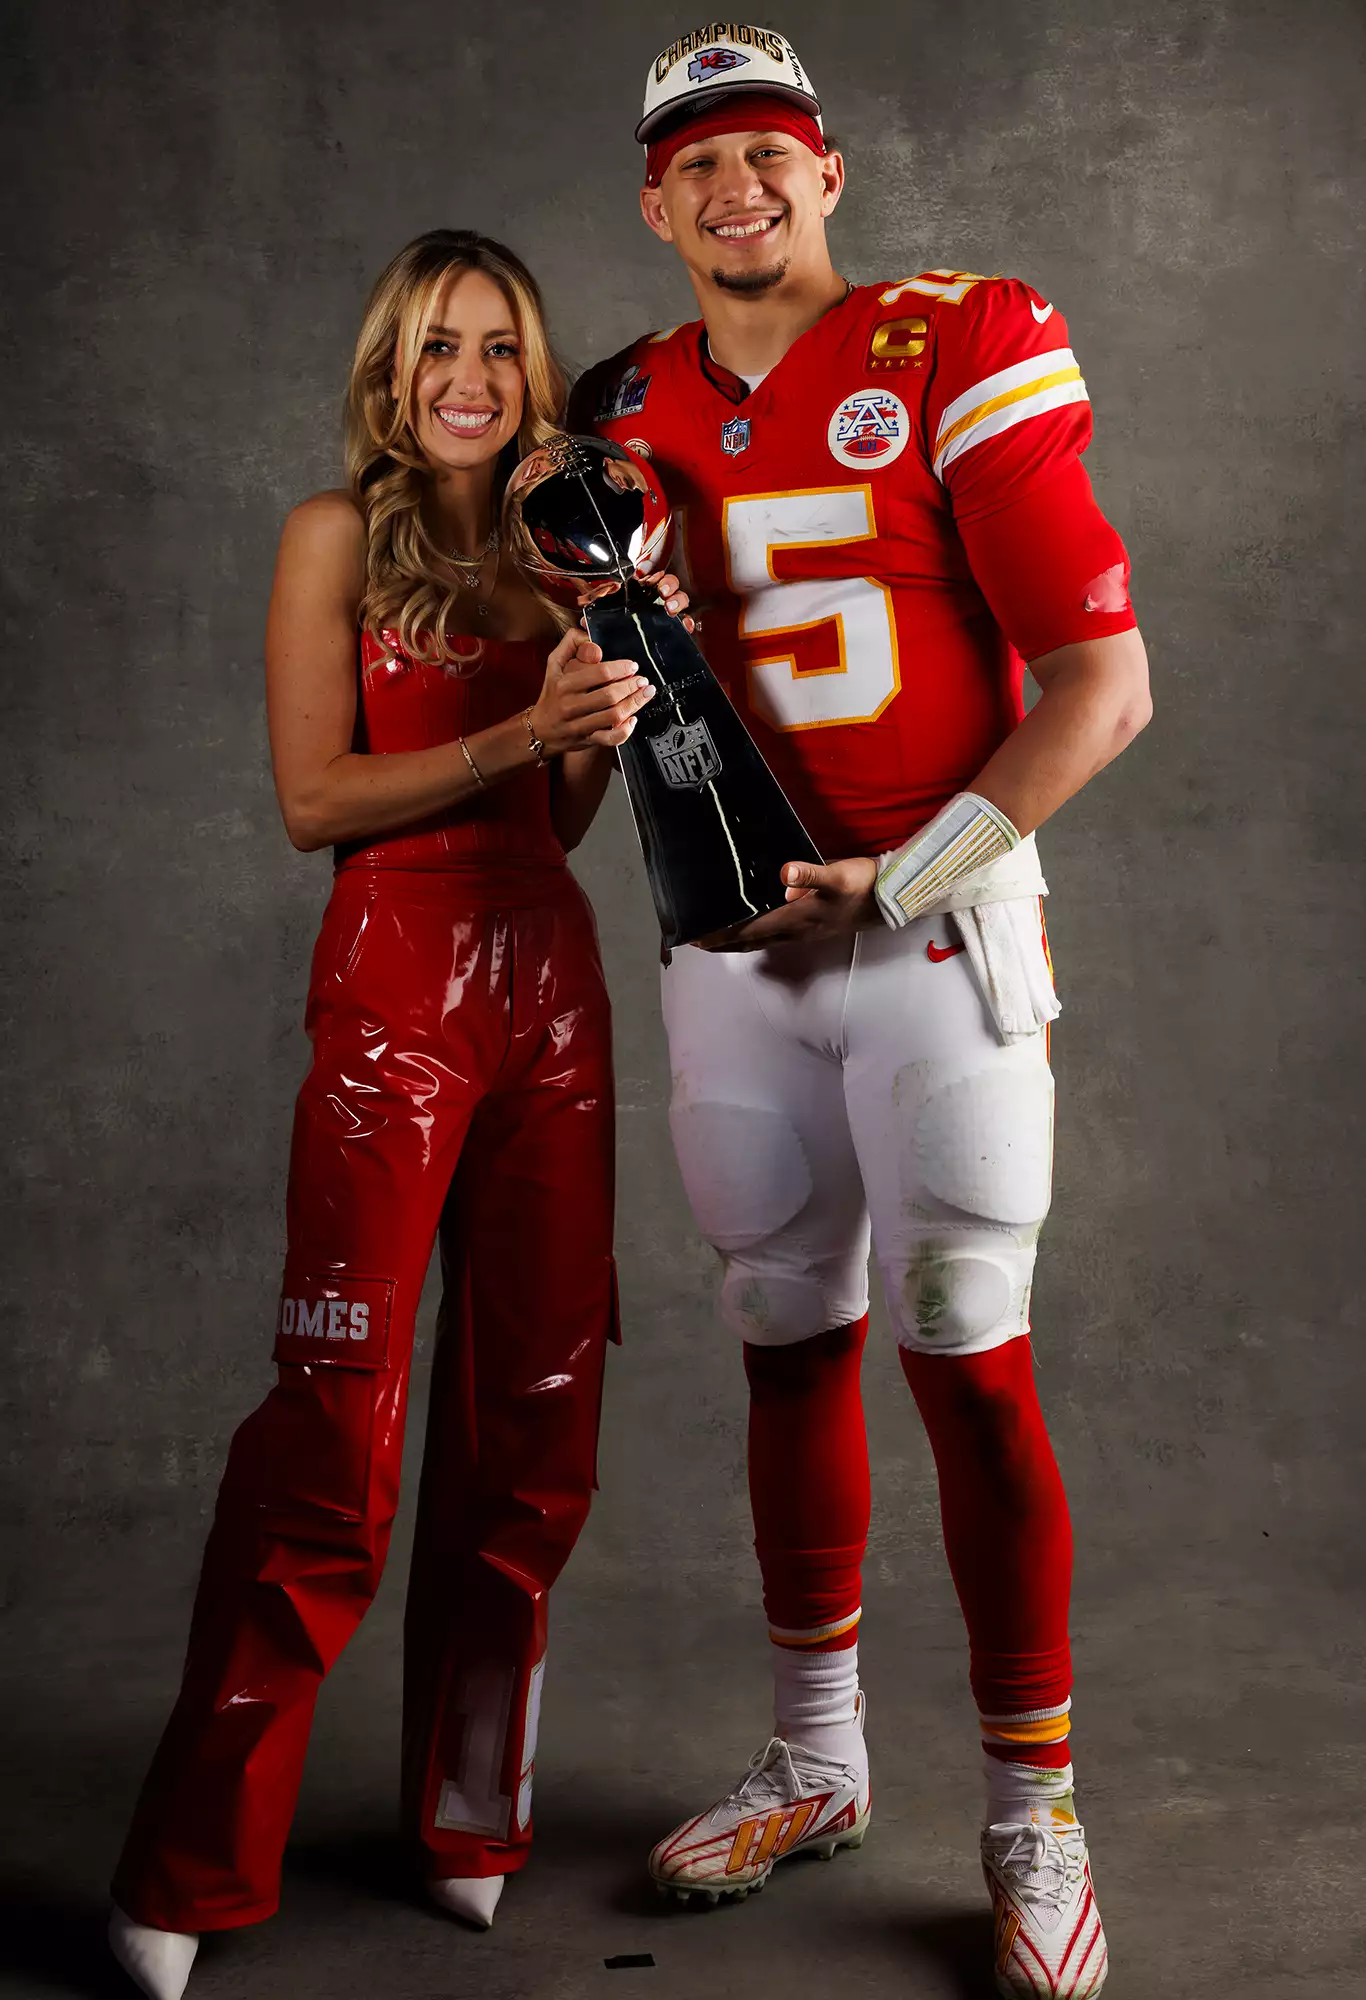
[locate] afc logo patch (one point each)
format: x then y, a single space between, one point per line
627 399
871 428
735 436
686 755
711 62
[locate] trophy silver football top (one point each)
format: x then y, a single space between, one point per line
583 510
582 516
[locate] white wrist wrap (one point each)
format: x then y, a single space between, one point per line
967 834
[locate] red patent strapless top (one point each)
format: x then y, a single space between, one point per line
406 705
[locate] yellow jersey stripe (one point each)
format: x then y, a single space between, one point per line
994 403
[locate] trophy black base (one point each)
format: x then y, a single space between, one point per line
715 826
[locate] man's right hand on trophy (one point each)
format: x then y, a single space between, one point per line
672 596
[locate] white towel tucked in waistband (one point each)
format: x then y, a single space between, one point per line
1005 947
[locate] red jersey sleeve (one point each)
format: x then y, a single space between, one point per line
1007 407
1007 418
587 394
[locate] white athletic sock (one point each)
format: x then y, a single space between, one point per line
814 1702
1024 1792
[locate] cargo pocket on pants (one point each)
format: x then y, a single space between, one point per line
306 1456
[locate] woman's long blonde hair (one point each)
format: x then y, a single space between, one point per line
410 586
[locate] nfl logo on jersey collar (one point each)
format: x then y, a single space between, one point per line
735 436
869 429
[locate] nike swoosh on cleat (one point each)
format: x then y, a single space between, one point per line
1040 316
936 954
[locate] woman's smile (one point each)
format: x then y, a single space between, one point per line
465 422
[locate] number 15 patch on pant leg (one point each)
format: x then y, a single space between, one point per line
339 1319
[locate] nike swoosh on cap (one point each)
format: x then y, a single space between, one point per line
1040 316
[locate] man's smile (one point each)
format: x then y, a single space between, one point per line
733 230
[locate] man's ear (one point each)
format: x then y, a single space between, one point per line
832 181
652 208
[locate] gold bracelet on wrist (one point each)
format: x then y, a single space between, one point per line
537 746
468 755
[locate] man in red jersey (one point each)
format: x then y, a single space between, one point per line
883 514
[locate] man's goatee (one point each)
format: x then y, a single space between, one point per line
751 281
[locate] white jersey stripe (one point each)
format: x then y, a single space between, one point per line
1048 380
1004 419
1014 377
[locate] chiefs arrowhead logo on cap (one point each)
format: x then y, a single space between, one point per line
723 57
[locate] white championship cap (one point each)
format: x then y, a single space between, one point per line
721 59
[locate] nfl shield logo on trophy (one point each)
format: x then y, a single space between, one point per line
686 756
735 436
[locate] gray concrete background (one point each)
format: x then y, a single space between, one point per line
198 199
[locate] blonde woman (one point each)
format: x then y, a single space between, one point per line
461 1077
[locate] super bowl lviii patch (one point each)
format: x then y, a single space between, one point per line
626 399
870 428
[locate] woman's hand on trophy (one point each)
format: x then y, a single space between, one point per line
587 702
822 902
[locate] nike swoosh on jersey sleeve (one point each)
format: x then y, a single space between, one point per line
1011 396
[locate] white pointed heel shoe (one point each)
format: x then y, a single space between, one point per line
157 1961
472 1898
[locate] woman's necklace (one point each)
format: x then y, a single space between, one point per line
481 598
470 568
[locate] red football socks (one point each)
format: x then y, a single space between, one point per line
1008 1537
808 1484
1006 1531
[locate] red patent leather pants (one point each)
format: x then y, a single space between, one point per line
462 1076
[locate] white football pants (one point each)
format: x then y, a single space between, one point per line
822 1091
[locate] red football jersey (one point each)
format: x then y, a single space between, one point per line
820 522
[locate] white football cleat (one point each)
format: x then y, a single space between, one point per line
157 1961
1049 1941
791 1802
472 1898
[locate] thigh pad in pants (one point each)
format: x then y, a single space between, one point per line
976 1145
763 1144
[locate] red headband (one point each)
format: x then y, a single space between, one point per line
743 111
